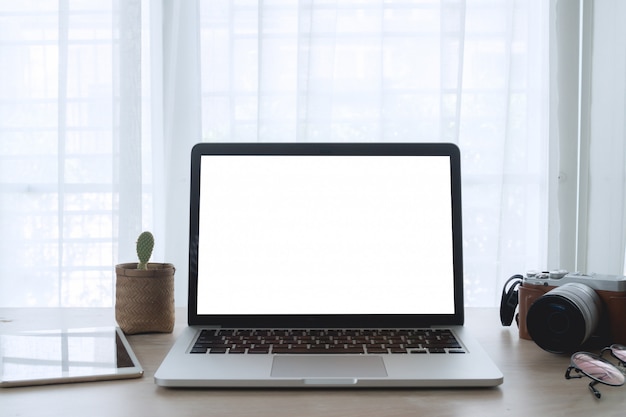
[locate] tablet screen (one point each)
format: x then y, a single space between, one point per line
69 355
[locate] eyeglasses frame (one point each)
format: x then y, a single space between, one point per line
594 380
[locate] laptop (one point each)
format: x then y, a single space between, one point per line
326 265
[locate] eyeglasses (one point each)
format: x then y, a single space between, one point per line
599 369
618 352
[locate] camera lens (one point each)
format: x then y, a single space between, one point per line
564 318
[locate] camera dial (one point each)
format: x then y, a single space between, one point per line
557 274
552 274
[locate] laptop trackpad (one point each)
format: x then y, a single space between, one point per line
328 367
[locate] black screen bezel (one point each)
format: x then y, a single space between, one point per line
327 320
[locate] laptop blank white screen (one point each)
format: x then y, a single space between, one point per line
329 234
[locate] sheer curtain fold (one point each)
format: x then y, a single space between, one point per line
313 69
127 169
452 47
564 104
181 130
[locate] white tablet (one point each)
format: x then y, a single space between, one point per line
68 355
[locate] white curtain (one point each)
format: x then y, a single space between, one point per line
72 182
469 72
100 103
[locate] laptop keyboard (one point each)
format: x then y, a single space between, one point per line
316 341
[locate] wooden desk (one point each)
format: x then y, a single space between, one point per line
534 384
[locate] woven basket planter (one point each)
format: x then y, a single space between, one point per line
144 299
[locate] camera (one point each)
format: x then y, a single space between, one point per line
562 311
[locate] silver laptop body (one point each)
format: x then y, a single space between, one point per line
326 265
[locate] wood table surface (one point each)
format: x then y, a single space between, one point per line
534 383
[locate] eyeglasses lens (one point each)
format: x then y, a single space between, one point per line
619 351
598 369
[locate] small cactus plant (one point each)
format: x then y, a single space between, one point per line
145 244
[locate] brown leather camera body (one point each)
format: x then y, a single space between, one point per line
614 310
